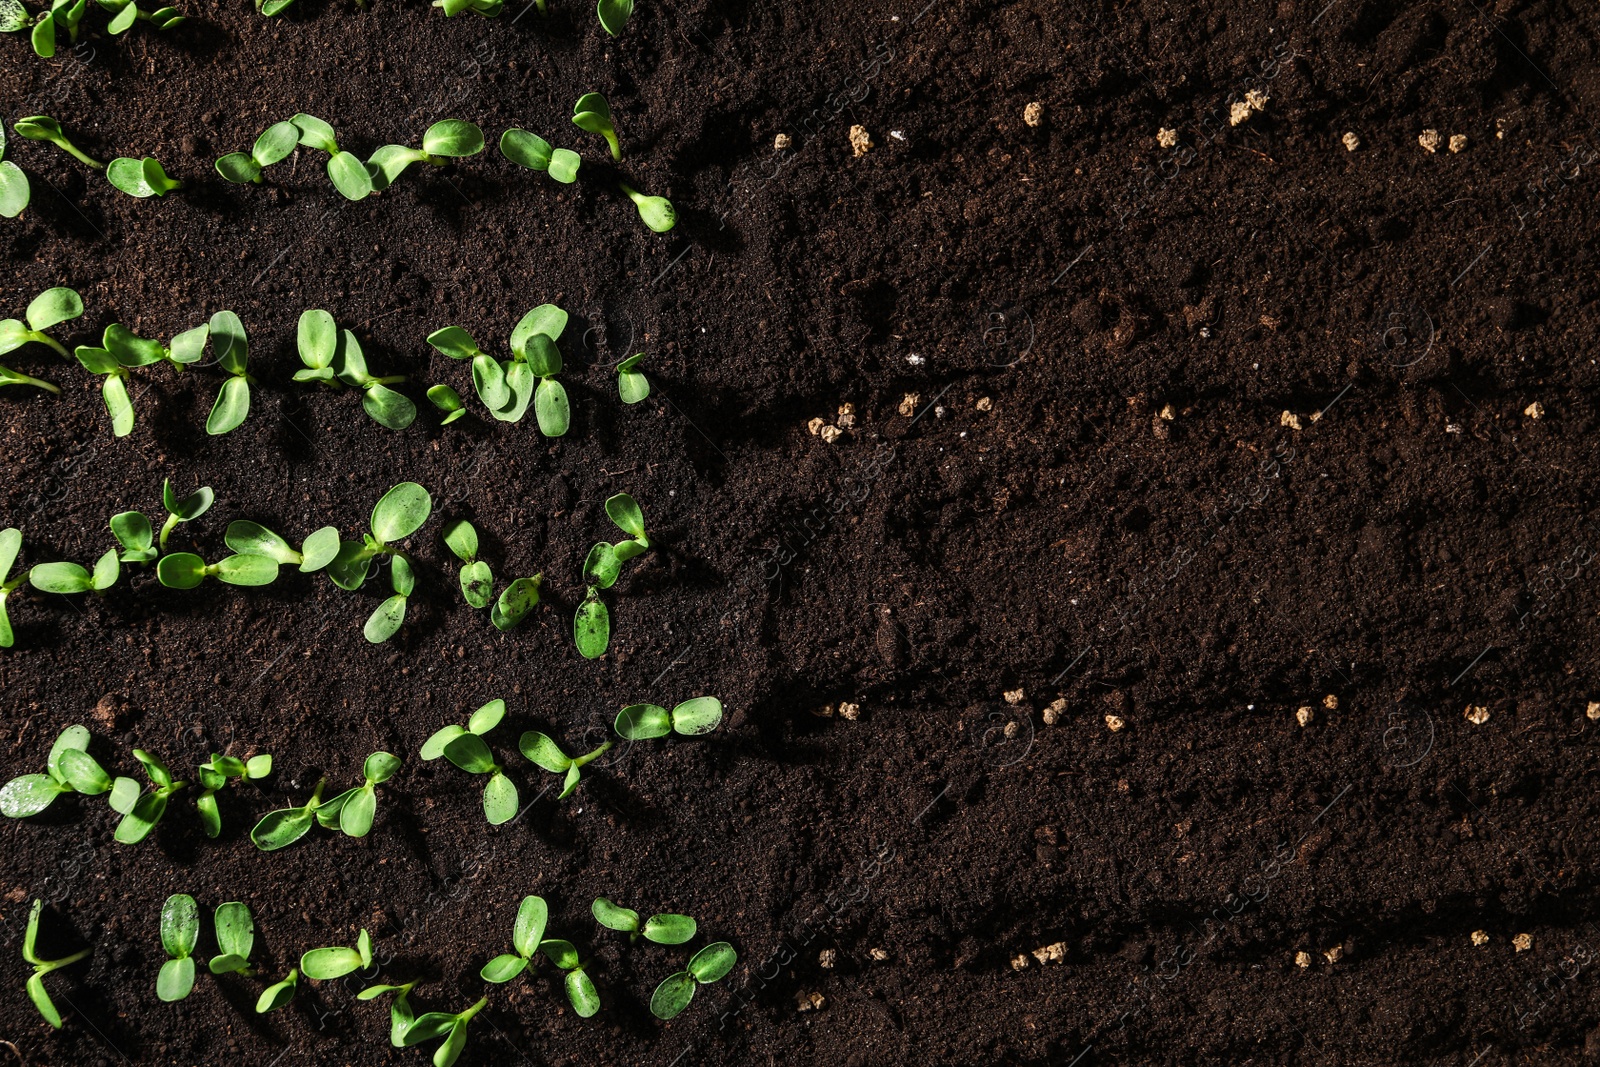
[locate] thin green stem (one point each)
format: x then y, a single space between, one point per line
581 760
467 1015
56 965
46 339
392 379
167 528
23 379
73 151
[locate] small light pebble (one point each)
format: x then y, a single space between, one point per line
916 360
1289 419
1114 723
810 1001
1239 112
1256 99
1014 696
908 404
1593 710
1302 959
1330 702
781 142
1056 953
1167 413
1480 938
1334 954
1458 141
1429 140
1477 714
1304 716
1058 708
879 954
1019 962
860 140
985 404
938 412
847 415
1522 942
831 434
1351 142
1534 410
1033 114
1166 138
850 711
816 425
825 958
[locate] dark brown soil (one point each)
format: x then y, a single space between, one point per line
1095 497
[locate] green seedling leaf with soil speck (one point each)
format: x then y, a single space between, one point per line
142 178
281 828
665 928
591 627
337 961
236 938
540 749
632 385
581 993
278 994
448 401
532 917
656 211
346 170
593 114
47 310
10 545
180 932
214 775
398 514
443 141
516 600
675 992
45 128
535 153
692 718
68 769
142 811
275 144
70 578
477 581
353 810
629 517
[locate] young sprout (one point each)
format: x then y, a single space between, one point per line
233 351
704 967
252 539
180 930
186 509
477 582
547 754
516 600
16 377
66 13
591 627
400 1014
273 146
185 570
641 722
534 152
445 399
136 536
397 515
348 174
122 350
236 937
337 961
141 811
614 15
656 211
487 8
532 916
332 356
664 929
386 620
70 769
214 775
10 545
42 967
592 113
68 578
124 13
632 385
464 747
507 389
276 996
453 1028
285 826
352 811
45 128
140 177
441 142
14 190
581 993
629 517
50 308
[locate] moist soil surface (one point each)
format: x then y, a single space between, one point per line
1178 438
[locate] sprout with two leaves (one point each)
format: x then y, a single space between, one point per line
50 308
665 928
581 993
214 775
592 113
632 385
446 400
142 178
236 938
692 718
337 961
629 517
398 515
436 1024
70 578
400 1014
708 965
477 581
69 769
233 352
281 828
252 539
352 811
533 914
546 753
345 169
124 13
507 388
10 545
535 153
45 128
332 356
185 570
66 14
182 509
121 350
180 932
443 141
464 746
142 811
275 144
278 994
591 627
41 967
387 618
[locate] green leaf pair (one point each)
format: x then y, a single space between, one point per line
516 600
10 545
236 938
50 308
387 618
477 581
591 627
332 356
185 570
400 1014
278 994
446 400
41 967
232 347
398 514
486 8
675 992
142 178
121 350
62 14
592 113
45 128
69 578
629 517
252 539
437 1024
124 13
182 509
352 811
507 388
69 769
336 962
581 993
547 754
665 928
275 144
441 142
632 385
346 170
281 828
464 746
141 812
534 152
692 718
533 914
180 932
214 775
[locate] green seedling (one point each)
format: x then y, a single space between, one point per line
352 811
214 775
614 15
63 14
386 620
276 996
136 536
477 581
507 389
185 509
546 753
14 189
270 8
445 399
142 811
656 211
641 722
45 128
629 517
252 539
532 916
275 144
704 967
435 1024
534 152
68 578
285 826
486 8
581 993
516 600
441 142
69 769
50 308
464 746
140 177
591 627
15 377
180 931
124 13
122 350
41 967
664 929
348 174
10 545
400 1014
337 961
397 515
592 113
232 406
185 570
236 937
632 385
332 356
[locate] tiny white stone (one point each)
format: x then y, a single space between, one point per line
897 135
1239 112
915 360
1522 942
1166 138
1429 140
1477 714
1480 937
1458 141
1351 142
